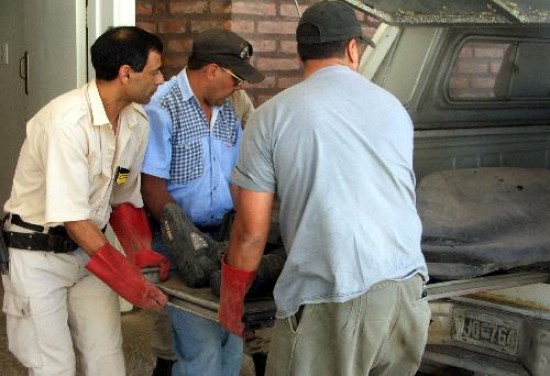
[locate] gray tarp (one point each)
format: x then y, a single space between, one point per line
476 221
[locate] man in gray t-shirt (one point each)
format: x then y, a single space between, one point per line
337 150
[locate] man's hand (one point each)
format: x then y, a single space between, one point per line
132 229
113 268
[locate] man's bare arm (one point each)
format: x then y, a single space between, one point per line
87 235
250 229
155 194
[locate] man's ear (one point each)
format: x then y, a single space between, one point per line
353 53
124 73
211 70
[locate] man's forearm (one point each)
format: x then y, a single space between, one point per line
155 195
87 235
245 250
250 229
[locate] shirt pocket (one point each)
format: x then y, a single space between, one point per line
21 329
187 162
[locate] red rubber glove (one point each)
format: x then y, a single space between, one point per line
126 279
235 284
132 229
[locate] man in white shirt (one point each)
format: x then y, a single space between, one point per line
82 156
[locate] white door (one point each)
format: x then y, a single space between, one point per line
53 34
55 56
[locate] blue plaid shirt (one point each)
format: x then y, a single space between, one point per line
196 159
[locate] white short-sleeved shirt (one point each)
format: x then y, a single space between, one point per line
72 166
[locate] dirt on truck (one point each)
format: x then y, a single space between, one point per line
474 76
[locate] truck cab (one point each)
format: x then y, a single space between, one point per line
475 78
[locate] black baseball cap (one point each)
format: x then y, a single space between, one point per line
329 21
227 49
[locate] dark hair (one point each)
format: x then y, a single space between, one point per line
124 45
195 64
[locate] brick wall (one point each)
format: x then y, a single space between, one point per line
268 24
475 71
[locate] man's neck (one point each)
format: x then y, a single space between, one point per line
313 65
197 87
112 101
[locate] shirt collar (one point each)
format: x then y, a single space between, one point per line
95 105
187 94
186 91
128 115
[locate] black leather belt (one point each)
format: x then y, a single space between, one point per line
37 241
57 230
55 240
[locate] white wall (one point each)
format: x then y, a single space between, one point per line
101 15
105 13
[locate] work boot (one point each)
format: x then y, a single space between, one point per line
268 271
196 255
163 367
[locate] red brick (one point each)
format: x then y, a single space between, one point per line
254 8
274 64
271 27
466 52
260 99
161 8
187 7
495 67
220 6
368 31
172 26
286 82
267 83
143 8
175 61
198 26
147 26
490 52
289 10
483 82
263 45
243 27
179 45
288 47
472 67
459 83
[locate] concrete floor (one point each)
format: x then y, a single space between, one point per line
136 330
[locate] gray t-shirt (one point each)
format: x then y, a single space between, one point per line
337 150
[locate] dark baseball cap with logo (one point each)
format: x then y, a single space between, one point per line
227 49
329 21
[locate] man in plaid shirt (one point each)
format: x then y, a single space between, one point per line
193 147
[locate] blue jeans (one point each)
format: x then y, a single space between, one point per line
201 346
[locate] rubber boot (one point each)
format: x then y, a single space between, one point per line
196 255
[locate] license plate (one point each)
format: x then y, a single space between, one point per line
486 330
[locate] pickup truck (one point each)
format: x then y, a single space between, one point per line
475 77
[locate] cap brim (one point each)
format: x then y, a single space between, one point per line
247 72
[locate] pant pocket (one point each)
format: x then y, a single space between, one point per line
22 338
